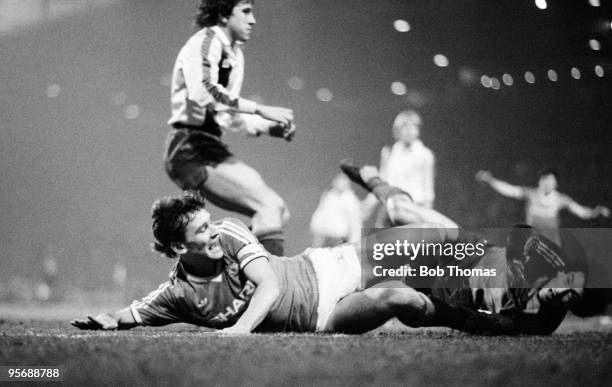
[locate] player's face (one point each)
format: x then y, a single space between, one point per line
410 130
548 183
565 289
202 236
241 21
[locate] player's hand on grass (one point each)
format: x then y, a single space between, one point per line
234 330
101 322
273 113
484 176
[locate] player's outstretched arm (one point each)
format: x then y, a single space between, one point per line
275 113
255 125
259 272
500 186
121 319
584 212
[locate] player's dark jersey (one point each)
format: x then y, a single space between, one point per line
215 301
295 310
512 294
218 301
489 293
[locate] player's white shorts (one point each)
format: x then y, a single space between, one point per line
338 272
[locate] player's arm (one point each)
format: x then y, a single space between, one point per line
500 186
203 71
584 212
120 319
259 271
211 57
281 115
157 308
255 125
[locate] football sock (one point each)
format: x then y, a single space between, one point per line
380 188
468 320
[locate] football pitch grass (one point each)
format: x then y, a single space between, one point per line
580 353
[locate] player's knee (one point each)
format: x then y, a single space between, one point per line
274 210
399 300
399 209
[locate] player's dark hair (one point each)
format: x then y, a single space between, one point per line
593 302
170 217
548 171
210 12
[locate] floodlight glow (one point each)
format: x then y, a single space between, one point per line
324 95
401 25
132 112
594 44
398 88
495 84
508 80
541 4
53 90
485 81
440 60
295 83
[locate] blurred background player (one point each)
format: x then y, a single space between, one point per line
206 83
337 218
544 202
407 164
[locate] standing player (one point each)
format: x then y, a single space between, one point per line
206 84
408 164
337 218
544 202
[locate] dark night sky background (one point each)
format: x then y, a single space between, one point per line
79 178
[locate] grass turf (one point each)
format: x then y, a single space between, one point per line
581 354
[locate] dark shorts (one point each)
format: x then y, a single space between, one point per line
187 154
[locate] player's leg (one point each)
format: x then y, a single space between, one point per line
400 207
368 309
235 186
199 161
403 211
365 310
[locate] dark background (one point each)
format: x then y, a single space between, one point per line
78 178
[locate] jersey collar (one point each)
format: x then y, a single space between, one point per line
222 36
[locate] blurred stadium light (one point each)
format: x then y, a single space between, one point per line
16 14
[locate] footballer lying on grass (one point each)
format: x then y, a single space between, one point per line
224 279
